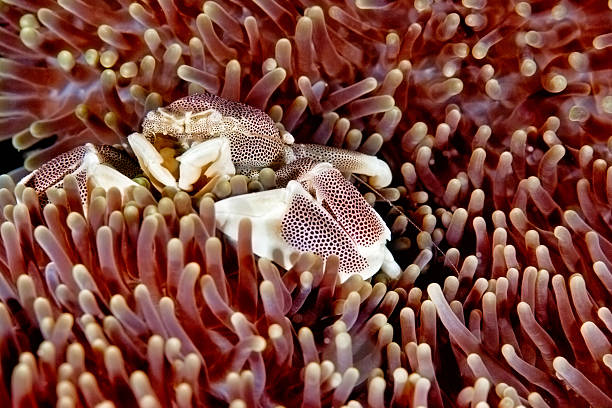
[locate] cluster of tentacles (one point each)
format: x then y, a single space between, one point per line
495 117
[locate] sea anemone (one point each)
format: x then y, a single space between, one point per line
495 118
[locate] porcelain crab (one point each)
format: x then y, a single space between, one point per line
201 138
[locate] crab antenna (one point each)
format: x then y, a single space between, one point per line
378 194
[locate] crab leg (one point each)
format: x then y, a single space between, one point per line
347 161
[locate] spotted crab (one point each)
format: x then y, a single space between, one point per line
200 139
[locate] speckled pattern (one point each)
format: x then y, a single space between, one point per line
252 120
349 209
308 227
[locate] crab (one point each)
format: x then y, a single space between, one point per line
200 139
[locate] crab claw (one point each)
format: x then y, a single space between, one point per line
98 165
290 220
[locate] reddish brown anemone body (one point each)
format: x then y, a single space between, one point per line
494 115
